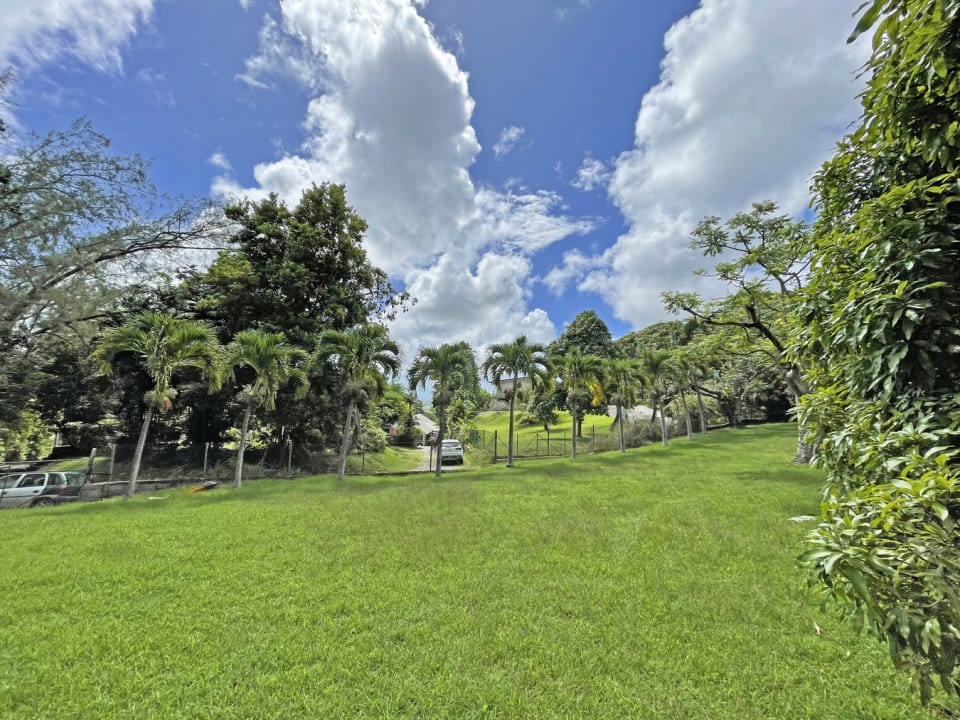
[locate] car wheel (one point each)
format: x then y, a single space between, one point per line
42 502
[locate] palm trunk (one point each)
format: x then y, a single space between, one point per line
686 415
238 471
663 423
138 453
441 428
623 441
573 435
345 444
510 438
703 412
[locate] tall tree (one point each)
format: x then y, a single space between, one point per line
588 332
72 217
165 345
621 379
516 360
299 271
364 355
763 259
879 332
272 363
655 373
448 367
582 376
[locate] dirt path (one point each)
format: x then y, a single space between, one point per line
424 465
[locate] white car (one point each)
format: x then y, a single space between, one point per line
34 489
451 451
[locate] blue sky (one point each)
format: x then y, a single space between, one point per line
517 161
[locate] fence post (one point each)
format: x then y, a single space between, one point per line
88 474
593 438
494 445
538 446
548 442
289 457
206 452
113 457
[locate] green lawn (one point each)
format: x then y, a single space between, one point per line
660 584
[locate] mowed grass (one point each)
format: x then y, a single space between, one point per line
659 584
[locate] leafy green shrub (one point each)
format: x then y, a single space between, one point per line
879 332
372 438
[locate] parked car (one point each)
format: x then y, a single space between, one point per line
34 489
451 451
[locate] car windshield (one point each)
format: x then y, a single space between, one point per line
451 443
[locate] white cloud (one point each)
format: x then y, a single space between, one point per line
391 118
219 160
751 99
509 137
592 174
482 305
92 31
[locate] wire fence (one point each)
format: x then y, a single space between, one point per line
106 470
597 437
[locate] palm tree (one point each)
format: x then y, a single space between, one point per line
448 367
582 375
655 371
165 345
621 378
364 355
274 364
516 360
681 376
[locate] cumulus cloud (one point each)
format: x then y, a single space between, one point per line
391 118
92 31
751 99
509 137
592 174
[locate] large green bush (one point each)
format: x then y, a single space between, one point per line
879 332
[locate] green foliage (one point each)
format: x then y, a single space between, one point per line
271 362
658 336
588 332
655 585
373 438
880 329
362 357
165 346
29 438
299 271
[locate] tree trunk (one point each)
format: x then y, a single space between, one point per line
345 444
623 442
804 451
138 453
510 439
238 471
703 413
686 415
441 429
573 436
663 423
